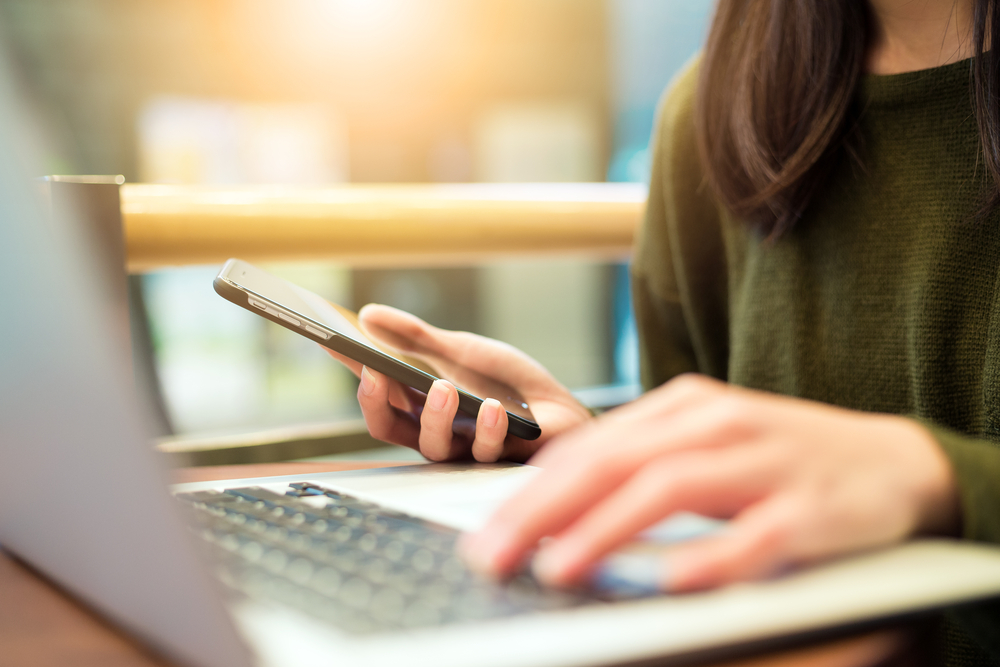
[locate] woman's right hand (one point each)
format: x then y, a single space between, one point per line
431 424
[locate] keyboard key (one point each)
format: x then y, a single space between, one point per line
376 571
355 592
368 542
300 570
252 551
327 581
394 551
387 605
422 561
275 560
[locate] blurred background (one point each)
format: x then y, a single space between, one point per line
360 91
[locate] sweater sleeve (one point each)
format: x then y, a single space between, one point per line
678 270
665 348
976 464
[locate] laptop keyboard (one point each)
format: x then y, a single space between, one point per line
354 564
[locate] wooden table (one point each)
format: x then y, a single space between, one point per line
41 626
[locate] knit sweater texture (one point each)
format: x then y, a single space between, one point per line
882 298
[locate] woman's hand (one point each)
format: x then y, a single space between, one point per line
801 481
403 416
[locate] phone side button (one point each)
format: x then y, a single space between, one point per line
288 318
316 332
257 304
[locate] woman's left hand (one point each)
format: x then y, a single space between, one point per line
801 481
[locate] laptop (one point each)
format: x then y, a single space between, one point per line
352 568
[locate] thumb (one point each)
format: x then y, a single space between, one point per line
468 360
401 330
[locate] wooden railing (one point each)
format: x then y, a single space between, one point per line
376 225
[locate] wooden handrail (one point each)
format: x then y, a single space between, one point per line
376 225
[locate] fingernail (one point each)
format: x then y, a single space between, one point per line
631 574
546 567
484 551
437 396
491 412
474 550
367 381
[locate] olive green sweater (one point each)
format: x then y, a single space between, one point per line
882 298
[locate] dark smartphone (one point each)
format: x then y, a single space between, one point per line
335 327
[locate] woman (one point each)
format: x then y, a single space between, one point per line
821 246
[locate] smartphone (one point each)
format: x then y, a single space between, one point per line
337 328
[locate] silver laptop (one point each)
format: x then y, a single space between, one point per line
346 569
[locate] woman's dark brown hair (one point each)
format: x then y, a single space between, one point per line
775 98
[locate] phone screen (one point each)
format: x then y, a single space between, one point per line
311 306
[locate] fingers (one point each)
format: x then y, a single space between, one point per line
437 440
682 393
593 462
441 438
492 442
601 458
712 483
493 360
384 421
436 433
399 329
491 431
757 544
545 506
456 353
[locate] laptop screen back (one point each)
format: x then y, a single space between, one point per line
81 497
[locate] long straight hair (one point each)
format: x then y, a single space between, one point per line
775 95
